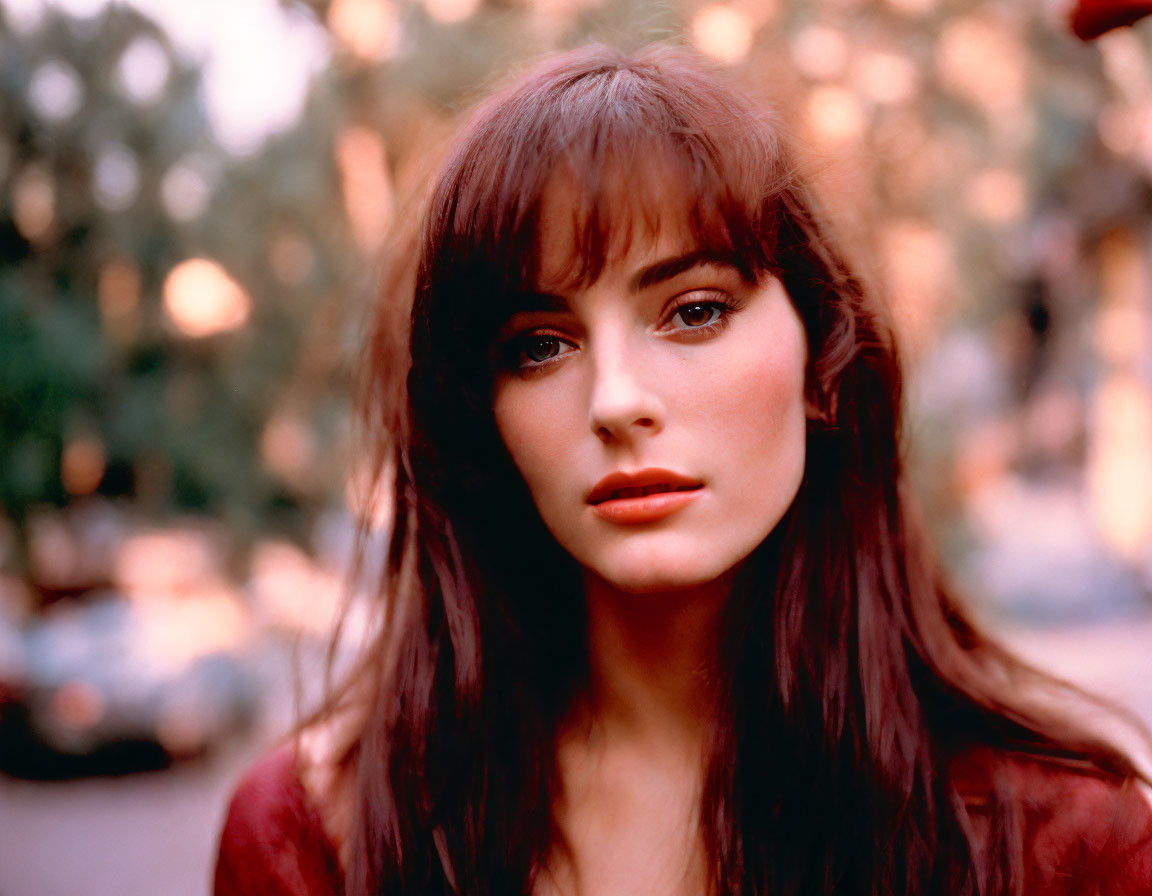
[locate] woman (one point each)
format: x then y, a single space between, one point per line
660 618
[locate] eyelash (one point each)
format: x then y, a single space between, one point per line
516 348
716 301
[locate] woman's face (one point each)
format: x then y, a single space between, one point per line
657 415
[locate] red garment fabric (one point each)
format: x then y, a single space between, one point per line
1091 18
273 842
1083 836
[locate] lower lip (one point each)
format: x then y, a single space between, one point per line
644 509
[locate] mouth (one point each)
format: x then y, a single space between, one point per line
622 486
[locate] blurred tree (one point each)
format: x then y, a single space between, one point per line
177 323
124 371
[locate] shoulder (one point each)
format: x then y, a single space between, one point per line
1081 831
273 842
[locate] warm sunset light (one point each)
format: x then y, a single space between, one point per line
367 29
980 59
202 300
920 268
161 561
450 12
834 115
1120 465
366 186
886 77
913 7
288 447
997 195
175 631
722 32
82 465
291 591
34 204
820 52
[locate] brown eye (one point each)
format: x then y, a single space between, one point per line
542 348
697 315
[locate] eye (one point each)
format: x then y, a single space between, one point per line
698 314
536 349
703 311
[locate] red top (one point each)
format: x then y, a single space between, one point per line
1082 835
273 842
1091 18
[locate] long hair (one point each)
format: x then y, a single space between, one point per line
852 679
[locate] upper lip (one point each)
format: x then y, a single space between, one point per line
658 480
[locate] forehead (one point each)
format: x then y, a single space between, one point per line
621 214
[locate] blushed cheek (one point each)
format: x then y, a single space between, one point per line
763 419
758 398
532 438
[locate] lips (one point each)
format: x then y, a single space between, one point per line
621 486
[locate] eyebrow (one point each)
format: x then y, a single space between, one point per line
673 267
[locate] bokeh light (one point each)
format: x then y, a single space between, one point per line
834 116
369 30
116 177
919 263
201 299
82 465
998 195
55 91
820 52
1120 464
886 78
722 32
288 447
450 12
24 16
143 70
159 561
363 162
981 59
186 189
34 203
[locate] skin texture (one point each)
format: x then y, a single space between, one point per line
631 385
701 373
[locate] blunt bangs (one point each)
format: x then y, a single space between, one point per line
629 146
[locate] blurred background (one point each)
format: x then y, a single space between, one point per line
192 196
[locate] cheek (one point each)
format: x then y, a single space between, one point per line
535 429
758 402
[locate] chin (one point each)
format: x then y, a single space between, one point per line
654 578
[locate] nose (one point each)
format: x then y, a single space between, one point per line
623 403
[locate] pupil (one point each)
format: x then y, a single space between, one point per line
696 315
542 349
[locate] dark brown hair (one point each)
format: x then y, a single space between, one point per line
852 678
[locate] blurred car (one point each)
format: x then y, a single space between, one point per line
109 685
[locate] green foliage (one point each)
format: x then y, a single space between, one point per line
179 419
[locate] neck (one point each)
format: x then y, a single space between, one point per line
653 662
